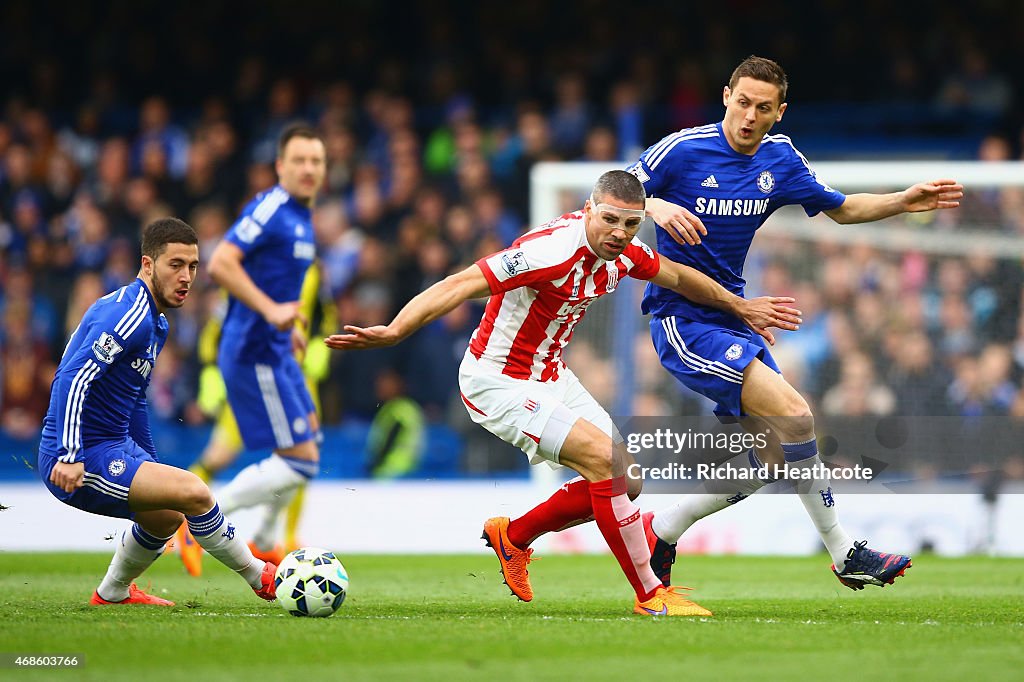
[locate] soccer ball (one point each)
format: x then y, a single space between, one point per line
311 582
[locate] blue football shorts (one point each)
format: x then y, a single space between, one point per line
109 471
709 359
271 403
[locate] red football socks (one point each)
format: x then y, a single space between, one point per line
619 521
569 505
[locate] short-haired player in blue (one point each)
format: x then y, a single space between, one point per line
711 188
97 452
262 262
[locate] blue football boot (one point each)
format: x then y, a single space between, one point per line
865 566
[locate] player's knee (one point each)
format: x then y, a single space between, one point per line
634 486
802 426
589 452
798 421
161 524
167 525
598 460
175 521
196 497
601 468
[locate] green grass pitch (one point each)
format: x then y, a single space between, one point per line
450 618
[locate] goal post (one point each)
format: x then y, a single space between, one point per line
611 326
552 183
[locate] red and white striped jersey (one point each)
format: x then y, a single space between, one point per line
541 287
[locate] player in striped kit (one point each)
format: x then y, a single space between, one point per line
97 452
514 383
711 188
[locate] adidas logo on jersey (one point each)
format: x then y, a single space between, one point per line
709 182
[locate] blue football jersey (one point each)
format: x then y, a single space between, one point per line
98 394
733 194
275 232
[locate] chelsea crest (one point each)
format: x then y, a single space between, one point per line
766 182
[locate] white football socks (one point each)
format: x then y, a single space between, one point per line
263 483
819 502
268 533
217 536
136 552
815 494
670 524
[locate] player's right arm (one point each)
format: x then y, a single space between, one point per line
684 227
425 307
226 270
535 258
92 357
68 476
95 347
757 313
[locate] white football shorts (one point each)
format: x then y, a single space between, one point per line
534 416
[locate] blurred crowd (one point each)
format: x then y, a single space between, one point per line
431 132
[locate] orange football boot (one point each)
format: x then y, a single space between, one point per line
668 602
189 550
135 596
274 555
268 588
512 559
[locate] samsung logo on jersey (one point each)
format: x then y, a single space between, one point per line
706 206
304 251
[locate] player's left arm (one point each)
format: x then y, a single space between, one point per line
757 313
924 196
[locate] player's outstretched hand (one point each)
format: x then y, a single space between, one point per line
770 311
928 196
359 338
68 477
681 225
